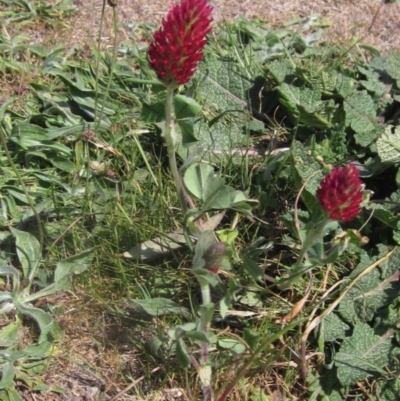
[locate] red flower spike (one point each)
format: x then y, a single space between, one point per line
177 46
340 193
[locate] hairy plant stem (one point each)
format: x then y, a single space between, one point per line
312 235
204 327
169 139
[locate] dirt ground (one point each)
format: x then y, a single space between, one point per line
376 22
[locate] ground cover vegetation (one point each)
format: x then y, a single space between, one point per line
238 216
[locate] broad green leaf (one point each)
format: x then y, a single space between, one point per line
362 355
306 170
9 334
371 292
334 328
227 236
38 351
323 386
388 145
71 266
224 305
49 330
389 390
252 339
280 69
153 113
231 344
199 336
185 107
10 395
360 112
182 354
252 268
389 64
196 177
159 307
222 88
305 105
217 195
205 241
62 163
28 250
187 326
206 277
187 133
4 107
7 375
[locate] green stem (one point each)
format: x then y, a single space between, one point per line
204 327
171 149
312 235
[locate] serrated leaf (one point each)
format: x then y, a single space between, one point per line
305 105
306 169
362 355
360 112
159 307
389 390
334 328
344 85
28 250
324 386
388 145
363 300
221 87
389 64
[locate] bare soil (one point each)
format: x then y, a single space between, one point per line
375 21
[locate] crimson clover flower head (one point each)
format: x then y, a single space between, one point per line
177 46
340 193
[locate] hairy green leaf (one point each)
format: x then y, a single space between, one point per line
362 355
